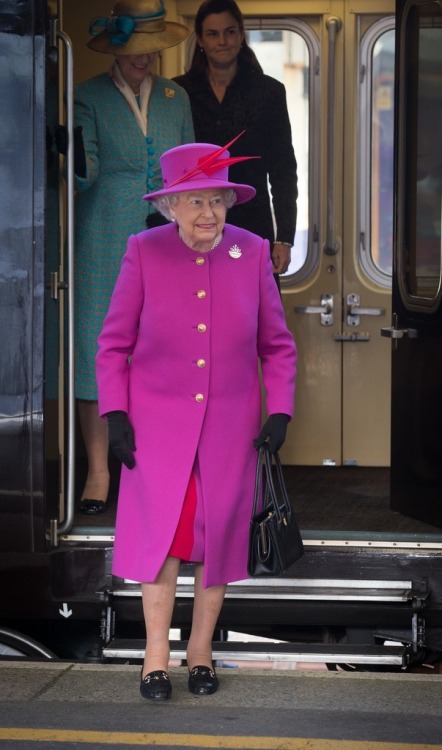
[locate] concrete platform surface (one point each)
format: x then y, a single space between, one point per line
60 704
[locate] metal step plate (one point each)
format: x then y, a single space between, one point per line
270 652
295 588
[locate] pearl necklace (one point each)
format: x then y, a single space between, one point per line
214 244
217 240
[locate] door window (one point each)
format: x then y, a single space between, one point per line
376 114
288 50
291 54
420 233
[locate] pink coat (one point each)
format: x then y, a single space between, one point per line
179 351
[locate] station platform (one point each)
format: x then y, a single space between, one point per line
60 705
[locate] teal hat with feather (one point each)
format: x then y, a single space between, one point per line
135 27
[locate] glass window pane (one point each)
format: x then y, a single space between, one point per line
424 165
284 55
382 148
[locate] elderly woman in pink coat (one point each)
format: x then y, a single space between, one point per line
194 318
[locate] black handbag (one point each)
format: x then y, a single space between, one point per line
275 542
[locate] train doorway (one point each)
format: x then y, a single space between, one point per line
338 68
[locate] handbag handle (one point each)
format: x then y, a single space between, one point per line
258 480
281 507
283 504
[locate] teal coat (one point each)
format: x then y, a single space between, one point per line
122 165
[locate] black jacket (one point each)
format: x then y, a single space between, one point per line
257 103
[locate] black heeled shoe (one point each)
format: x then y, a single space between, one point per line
203 681
92 507
155 686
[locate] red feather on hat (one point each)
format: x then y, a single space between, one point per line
208 164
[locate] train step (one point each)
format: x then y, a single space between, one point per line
226 652
319 589
400 592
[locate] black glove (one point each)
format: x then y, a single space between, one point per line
61 141
121 437
274 432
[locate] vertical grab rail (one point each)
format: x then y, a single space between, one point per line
333 26
69 94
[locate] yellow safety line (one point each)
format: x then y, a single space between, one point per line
201 740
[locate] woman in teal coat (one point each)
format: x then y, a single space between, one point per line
124 120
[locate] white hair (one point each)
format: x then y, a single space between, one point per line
164 202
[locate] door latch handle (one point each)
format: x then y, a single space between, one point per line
325 309
399 333
56 285
354 311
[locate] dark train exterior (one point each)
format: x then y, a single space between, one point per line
349 595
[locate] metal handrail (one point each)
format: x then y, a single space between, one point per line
69 99
333 25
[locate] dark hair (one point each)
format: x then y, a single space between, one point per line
246 55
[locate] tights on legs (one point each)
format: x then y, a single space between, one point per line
95 436
206 608
158 602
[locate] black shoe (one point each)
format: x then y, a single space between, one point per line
203 681
155 686
92 507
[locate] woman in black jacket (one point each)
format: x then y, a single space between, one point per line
229 93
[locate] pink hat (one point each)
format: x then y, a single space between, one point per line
200 166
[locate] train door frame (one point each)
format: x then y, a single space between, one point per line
61 430
416 330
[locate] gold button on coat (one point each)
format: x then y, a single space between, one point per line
199 397
201 363
201 294
202 327
200 261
